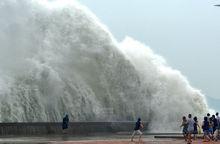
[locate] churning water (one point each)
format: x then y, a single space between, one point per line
56 58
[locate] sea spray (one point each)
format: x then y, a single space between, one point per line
171 93
56 58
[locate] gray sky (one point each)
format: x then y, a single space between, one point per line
185 32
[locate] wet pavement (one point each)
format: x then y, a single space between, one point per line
93 139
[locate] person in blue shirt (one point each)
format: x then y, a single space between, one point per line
137 129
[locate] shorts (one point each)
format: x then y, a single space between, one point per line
137 132
184 130
195 132
206 132
211 130
190 130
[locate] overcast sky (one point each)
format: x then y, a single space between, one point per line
185 32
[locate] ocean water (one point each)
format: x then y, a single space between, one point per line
56 57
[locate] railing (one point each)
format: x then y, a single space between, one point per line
76 128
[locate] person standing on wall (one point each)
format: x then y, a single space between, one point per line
65 124
137 130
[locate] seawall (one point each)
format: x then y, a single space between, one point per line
75 128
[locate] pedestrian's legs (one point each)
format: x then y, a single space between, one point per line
216 135
64 131
140 134
132 136
189 138
206 136
185 136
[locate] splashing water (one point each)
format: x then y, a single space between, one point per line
56 58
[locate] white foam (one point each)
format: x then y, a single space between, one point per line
57 58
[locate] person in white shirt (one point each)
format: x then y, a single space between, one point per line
217 131
190 128
218 119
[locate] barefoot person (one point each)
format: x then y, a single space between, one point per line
137 128
184 125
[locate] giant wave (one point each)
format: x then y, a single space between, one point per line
56 58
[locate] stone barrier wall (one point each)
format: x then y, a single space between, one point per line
75 128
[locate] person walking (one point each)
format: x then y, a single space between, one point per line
190 128
205 128
196 126
217 131
185 126
215 122
137 130
211 125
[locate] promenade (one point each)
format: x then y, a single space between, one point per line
93 139
145 141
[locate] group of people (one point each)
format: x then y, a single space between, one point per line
210 127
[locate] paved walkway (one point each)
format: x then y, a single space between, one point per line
105 139
162 141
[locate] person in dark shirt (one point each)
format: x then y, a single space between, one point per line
215 121
185 126
196 126
137 128
205 128
65 123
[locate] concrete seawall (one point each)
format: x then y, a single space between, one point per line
75 128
